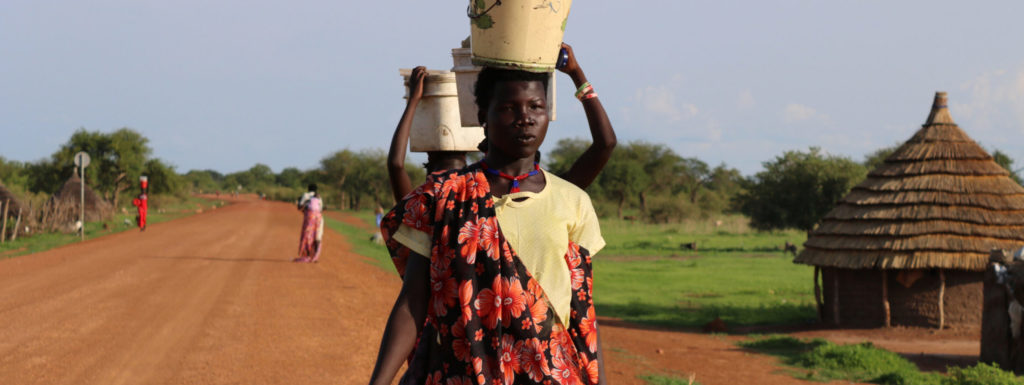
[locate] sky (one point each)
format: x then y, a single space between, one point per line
227 84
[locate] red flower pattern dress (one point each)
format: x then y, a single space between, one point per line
488 321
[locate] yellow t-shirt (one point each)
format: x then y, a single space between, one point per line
539 230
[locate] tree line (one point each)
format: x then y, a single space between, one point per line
118 158
642 181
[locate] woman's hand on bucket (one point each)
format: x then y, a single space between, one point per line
416 79
571 66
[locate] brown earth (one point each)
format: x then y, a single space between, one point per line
214 299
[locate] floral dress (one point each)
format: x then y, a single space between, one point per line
488 320
312 229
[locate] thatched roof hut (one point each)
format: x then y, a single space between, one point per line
65 202
908 245
7 197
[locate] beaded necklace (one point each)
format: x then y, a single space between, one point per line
515 179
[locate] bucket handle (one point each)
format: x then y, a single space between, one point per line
469 10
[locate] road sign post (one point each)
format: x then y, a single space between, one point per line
81 161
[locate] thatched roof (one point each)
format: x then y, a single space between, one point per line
95 207
939 201
7 197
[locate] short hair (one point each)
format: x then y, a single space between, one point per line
312 187
489 78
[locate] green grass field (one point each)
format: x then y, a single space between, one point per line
35 243
643 275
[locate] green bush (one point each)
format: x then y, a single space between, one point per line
859 362
980 374
669 209
863 362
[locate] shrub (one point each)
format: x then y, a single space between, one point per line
670 209
859 362
980 374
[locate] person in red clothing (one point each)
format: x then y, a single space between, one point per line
142 203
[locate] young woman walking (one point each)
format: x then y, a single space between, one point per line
496 257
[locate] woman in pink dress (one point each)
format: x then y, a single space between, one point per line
312 226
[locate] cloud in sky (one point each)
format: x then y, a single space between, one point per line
993 99
796 112
661 102
745 100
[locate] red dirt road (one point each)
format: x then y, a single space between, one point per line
214 299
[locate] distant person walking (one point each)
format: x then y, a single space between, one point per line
142 204
312 226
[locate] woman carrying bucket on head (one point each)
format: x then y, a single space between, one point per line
497 279
582 173
142 203
312 226
436 160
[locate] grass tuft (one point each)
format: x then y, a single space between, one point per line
359 238
820 360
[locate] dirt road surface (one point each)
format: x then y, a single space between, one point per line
214 299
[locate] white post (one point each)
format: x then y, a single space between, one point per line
82 207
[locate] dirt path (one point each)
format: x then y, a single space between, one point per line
213 299
209 299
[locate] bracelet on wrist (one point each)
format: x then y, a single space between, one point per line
583 89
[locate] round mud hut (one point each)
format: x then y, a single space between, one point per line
909 245
10 212
8 201
64 204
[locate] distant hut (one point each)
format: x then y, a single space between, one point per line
909 245
8 201
9 204
66 201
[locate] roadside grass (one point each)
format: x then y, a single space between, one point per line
733 235
643 276
173 209
658 379
359 238
736 273
820 360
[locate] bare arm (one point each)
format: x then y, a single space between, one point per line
406 321
400 184
592 161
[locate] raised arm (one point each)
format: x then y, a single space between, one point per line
400 184
589 164
406 320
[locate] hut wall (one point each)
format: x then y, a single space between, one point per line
860 298
918 304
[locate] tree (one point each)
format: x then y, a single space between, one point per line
205 180
877 158
290 177
1007 163
797 189
724 183
13 173
334 170
560 159
117 158
162 178
622 179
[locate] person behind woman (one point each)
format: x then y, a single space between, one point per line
436 160
582 173
497 279
312 226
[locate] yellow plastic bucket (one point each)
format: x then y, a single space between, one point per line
517 34
436 125
465 78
